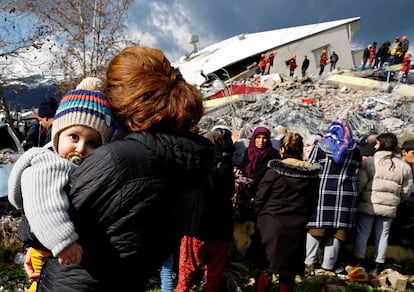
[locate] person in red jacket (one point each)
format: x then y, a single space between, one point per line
292 65
262 63
406 66
269 61
322 62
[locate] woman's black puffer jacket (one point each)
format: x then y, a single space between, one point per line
132 200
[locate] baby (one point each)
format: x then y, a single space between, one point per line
39 180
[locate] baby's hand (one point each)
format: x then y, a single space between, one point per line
29 267
71 255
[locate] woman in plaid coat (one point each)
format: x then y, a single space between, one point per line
335 213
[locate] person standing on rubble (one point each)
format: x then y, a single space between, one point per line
334 215
305 65
365 57
333 59
405 44
396 51
291 63
269 61
406 66
372 53
322 62
262 64
382 54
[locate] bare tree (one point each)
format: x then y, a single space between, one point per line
88 33
16 36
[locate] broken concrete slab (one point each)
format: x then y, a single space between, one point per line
403 90
358 83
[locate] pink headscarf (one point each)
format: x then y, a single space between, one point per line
254 153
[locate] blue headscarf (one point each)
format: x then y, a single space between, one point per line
338 139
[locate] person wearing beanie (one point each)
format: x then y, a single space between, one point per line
39 132
38 180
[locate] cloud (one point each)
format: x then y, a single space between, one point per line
167 25
170 23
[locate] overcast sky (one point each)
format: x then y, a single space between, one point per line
169 24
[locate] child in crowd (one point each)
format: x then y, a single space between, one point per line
39 179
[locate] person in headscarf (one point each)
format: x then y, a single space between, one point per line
256 156
335 212
254 165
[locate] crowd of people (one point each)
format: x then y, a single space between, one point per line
396 53
126 186
266 62
392 54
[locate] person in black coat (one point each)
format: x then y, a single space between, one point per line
383 55
133 199
305 65
209 245
284 201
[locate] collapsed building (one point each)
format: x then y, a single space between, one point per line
371 100
234 55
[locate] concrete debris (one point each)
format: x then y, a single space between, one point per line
390 279
307 107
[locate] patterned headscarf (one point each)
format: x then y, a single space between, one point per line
254 153
338 139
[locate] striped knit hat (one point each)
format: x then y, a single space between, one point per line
83 107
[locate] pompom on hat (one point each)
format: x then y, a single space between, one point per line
84 107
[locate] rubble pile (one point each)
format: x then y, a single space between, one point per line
308 108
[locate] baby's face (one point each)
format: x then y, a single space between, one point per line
78 140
